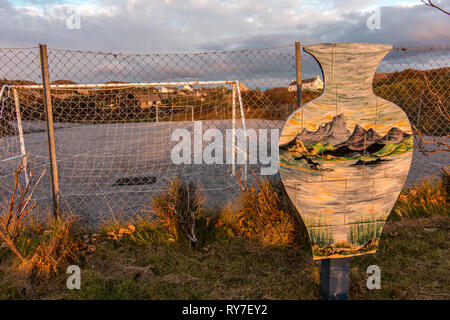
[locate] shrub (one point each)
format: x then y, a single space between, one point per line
262 216
41 250
180 209
57 247
426 199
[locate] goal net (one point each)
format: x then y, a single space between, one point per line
119 143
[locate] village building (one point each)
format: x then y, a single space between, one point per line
307 84
148 100
188 87
165 89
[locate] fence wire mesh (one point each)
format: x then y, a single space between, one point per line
114 142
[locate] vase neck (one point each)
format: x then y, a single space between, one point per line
348 68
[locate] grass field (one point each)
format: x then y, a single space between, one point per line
413 257
137 262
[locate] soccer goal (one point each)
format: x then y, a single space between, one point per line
118 142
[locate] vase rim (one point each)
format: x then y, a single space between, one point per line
317 47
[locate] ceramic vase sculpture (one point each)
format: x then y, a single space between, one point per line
344 157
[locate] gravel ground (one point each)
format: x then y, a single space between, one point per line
92 158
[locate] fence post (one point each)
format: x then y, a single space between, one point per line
334 278
50 128
298 65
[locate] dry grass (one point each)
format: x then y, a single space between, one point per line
428 198
264 257
58 247
14 215
262 215
41 249
180 209
141 231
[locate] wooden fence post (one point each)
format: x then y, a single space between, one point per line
50 128
334 278
298 65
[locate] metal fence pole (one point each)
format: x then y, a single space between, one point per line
50 128
298 65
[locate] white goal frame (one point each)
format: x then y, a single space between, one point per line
236 93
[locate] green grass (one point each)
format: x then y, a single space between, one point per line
395 148
316 221
412 255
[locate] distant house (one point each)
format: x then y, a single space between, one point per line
307 84
188 87
168 89
147 100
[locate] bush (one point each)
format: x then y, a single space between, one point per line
262 215
180 209
41 250
57 248
428 198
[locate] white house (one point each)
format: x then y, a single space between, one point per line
188 87
307 84
167 89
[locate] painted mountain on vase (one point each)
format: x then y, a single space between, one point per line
344 157
333 141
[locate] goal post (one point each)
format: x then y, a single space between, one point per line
11 122
158 102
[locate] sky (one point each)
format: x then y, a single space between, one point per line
184 26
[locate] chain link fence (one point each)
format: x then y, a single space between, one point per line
114 137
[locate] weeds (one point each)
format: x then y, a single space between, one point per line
429 198
262 216
140 231
14 218
57 248
316 221
180 209
40 250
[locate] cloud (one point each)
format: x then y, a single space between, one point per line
191 25
136 26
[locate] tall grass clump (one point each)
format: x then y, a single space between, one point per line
429 198
179 210
262 216
57 247
41 249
